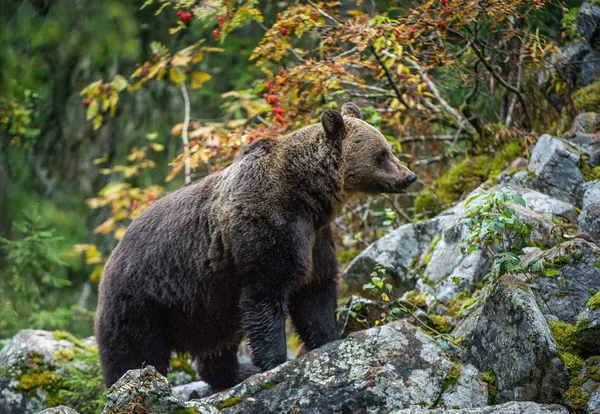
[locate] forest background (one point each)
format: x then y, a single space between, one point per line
105 105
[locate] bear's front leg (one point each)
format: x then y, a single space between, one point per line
312 306
263 318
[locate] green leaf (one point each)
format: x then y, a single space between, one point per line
550 272
92 110
519 200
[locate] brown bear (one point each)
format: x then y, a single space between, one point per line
236 252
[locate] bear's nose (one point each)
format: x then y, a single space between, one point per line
411 178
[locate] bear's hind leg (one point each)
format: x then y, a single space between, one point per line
131 344
220 369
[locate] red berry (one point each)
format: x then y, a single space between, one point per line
221 20
86 102
280 119
283 30
413 30
397 35
185 16
279 16
134 205
277 110
442 25
216 33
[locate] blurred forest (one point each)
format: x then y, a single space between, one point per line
105 105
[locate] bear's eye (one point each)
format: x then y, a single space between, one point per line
382 158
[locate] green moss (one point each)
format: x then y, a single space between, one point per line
456 304
588 99
427 202
589 173
64 355
440 323
189 410
565 335
452 377
466 176
45 380
60 335
577 400
489 378
230 402
582 324
435 242
416 298
345 256
268 386
466 304
594 302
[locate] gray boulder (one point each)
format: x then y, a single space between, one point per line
61 409
428 254
401 248
589 220
594 402
588 328
556 164
146 390
196 389
588 23
513 342
590 143
29 353
565 293
387 368
524 407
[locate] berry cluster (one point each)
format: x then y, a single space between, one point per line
185 16
273 99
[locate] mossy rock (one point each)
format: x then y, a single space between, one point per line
465 176
588 98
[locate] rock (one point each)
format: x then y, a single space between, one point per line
589 220
574 274
588 330
30 344
513 341
588 22
582 393
585 124
196 389
436 265
524 407
556 164
567 65
400 248
590 144
378 370
146 390
590 69
32 353
61 409
594 402
468 391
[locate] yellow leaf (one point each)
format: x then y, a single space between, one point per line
106 227
198 78
97 122
92 110
97 273
157 147
93 255
120 232
177 77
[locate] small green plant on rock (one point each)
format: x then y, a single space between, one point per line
494 226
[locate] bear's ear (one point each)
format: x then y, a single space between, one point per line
351 110
333 124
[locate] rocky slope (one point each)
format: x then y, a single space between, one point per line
455 331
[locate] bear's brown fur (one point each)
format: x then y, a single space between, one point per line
234 253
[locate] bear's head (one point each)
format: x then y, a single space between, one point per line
369 164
